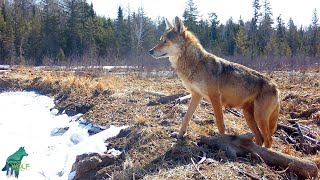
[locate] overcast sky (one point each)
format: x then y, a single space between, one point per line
300 11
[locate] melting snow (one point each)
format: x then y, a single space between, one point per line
52 141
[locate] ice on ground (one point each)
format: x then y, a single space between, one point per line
52 141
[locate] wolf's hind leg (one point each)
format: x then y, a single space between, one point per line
263 108
249 117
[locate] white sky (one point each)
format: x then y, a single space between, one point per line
300 11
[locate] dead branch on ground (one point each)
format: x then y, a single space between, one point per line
242 146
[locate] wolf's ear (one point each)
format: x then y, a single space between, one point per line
179 26
168 24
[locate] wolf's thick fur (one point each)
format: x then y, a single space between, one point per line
221 82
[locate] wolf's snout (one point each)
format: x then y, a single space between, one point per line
151 51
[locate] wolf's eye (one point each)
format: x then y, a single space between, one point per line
165 41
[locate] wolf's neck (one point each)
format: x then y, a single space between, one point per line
191 55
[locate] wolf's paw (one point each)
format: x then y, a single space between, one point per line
177 136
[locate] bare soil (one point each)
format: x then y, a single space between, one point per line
149 152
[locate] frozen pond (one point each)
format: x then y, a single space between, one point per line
26 121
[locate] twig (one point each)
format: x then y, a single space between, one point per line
183 99
286 128
158 94
234 112
246 173
195 166
292 121
311 139
203 158
167 99
300 132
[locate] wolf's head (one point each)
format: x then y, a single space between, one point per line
171 42
22 152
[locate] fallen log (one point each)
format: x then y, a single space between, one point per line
242 145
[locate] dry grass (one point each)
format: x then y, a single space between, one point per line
74 83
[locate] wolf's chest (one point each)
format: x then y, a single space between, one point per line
195 85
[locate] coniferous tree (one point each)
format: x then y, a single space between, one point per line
229 34
240 40
214 32
190 16
2 30
253 33
282 47
265 30
121 33
293 38
315 34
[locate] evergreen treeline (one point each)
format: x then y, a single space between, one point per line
69 31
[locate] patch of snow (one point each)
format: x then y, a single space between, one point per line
52 141
114 152
72 175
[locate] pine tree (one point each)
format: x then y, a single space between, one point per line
214 33
190 16
74 28
253 33
105 40
122 36
229 33
19 28
293 38
282 47
60 56
7 48
2 30
33 48
240 40
315 34
265 29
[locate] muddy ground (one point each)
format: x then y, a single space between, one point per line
123 97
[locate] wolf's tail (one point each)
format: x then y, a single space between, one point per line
4 168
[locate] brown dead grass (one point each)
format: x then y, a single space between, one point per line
76 83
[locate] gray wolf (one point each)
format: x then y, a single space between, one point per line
221 82
14 161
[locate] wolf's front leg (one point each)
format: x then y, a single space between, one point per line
217 108
195 100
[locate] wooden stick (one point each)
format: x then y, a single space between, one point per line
157 94
246 173
183 99
234 112
300 132
195 166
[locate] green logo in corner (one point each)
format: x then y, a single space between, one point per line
13 163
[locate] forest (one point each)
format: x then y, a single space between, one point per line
69 32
